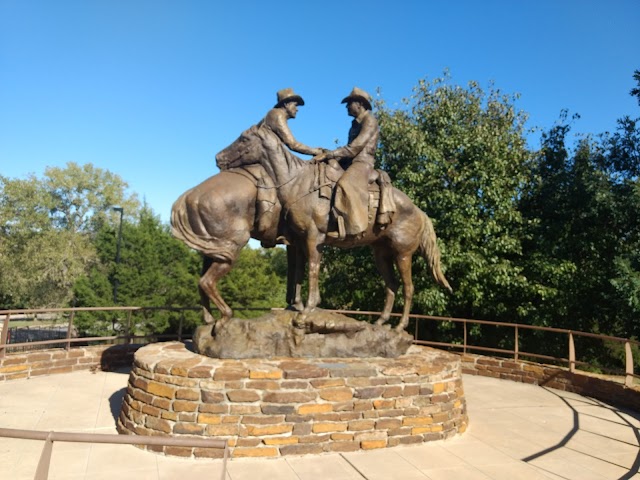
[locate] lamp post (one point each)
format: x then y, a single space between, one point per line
115 281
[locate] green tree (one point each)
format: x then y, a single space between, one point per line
460 154
154 270
46 228
257 280
585 235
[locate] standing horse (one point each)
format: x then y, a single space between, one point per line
307 215
216 218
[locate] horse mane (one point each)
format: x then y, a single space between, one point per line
278 157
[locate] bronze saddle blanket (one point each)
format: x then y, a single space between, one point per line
326 175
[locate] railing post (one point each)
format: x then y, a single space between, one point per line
516 347
128 340
69 328
464 340
224 462
4 335
42 472
415 337
572 354
180 325
628 356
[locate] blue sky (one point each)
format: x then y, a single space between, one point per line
151 90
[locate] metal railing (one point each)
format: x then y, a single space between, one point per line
126 337
465 346
516 352
42 471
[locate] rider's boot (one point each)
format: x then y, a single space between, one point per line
340 232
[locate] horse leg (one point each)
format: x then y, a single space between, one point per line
295 271
314 256
384 264
403 262
205 301
209 286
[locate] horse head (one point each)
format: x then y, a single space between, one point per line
246 150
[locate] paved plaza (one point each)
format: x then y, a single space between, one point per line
516 431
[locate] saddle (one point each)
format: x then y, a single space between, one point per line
381 202
267 224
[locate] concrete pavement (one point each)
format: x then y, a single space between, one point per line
516 431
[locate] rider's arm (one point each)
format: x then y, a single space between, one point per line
278 123
369 129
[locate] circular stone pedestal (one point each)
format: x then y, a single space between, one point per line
286 406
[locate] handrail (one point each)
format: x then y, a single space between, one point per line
4 325
516 352
42 471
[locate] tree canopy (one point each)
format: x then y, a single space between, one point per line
47 227
547 236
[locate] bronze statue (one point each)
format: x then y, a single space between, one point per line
218 217
267 205
356 158
306 210
276 120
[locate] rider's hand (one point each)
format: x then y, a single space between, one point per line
319 158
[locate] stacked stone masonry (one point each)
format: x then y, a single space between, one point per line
288 406
46 362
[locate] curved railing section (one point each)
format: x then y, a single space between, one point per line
464 344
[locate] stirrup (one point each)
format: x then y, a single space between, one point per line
341 233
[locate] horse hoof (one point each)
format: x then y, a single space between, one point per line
300 321
219 324
295 307
207 317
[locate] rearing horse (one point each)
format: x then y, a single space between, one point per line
306 213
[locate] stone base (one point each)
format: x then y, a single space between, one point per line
285 333
284 406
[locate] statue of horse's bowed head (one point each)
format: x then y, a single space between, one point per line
217 219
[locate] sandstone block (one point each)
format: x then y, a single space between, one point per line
301 449
209 419
410 422
255 452
327 382
328 427
336 394
262 419
280 441
184 406
343 447
357 425
315 408
161 390
254 430
244 409
371 444
289 397
188 394
230 373
265 374
243 395
223 429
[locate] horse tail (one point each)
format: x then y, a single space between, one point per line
182 229
431 253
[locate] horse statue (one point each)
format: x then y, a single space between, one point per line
217 219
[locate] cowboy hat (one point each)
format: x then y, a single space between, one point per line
286 95
359 95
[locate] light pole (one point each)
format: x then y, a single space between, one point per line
115 280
